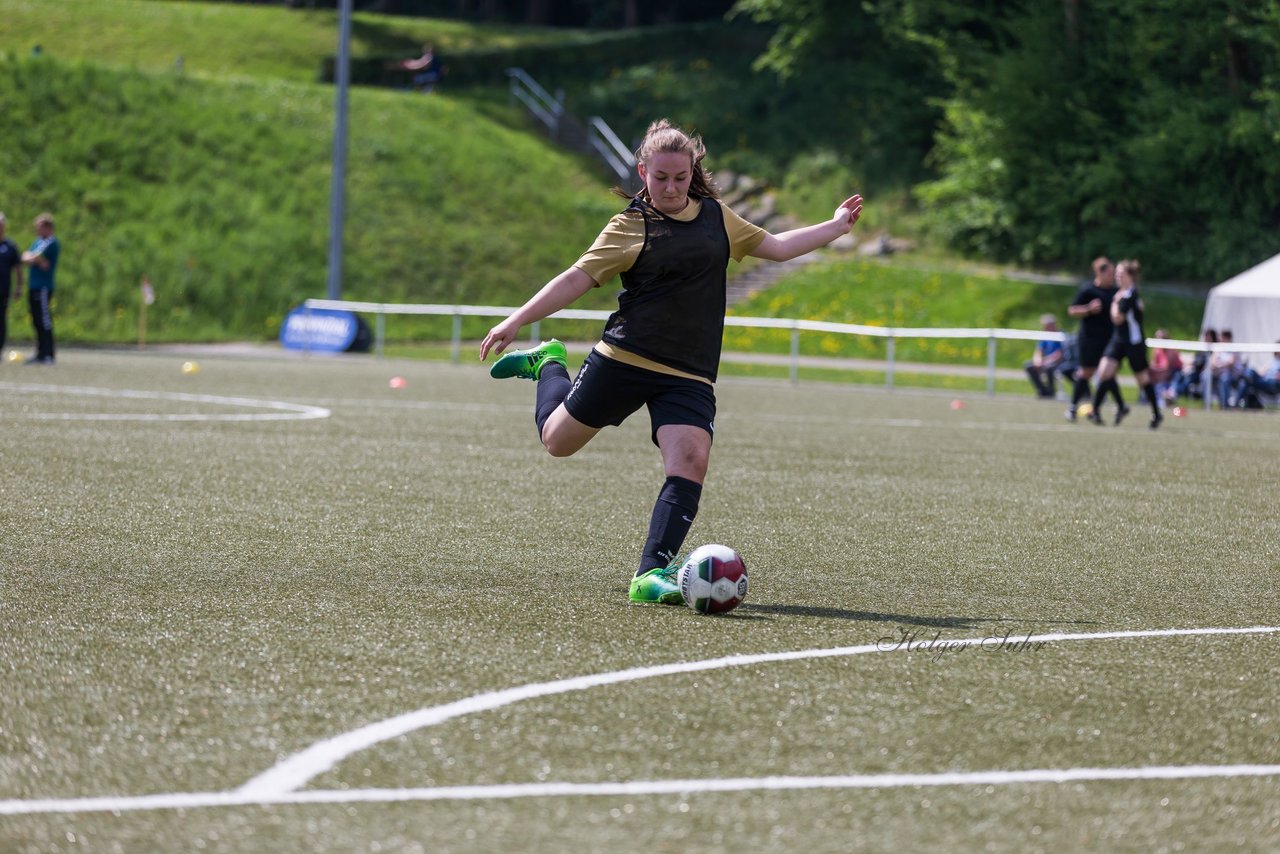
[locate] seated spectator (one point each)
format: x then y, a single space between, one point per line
1045 360
1070 358
427 67
1193 381
1271 376
1254 386
1166 370
1226 367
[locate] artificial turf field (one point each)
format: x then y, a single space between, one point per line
200 617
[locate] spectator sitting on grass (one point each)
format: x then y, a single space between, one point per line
1045 360
1070 359
1166 370
1193 381
1254 385
1226 367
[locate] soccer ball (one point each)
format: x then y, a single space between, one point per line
1084 410
713 580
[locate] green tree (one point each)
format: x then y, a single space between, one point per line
1145 129
855 79
1137 127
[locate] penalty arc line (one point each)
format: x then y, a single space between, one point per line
297 770
194 800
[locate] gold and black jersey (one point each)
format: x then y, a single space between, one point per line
670 315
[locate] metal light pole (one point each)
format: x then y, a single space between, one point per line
337 189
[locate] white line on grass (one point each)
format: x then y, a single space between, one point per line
284 411
193 800
279 784
299 769
945 423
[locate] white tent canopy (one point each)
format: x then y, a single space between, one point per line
1248 305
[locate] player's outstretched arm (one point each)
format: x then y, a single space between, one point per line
555 295
799 241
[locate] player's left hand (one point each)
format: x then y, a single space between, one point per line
849 211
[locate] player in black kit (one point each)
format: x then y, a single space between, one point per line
661 348
1128 341
1092 305
10 262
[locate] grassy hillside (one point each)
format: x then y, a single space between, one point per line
700 75
214 182
228 39
218 191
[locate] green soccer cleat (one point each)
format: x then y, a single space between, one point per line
657 585
527 364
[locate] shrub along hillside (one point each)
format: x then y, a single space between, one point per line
219 192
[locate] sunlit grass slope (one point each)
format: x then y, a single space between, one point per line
219 192
227 38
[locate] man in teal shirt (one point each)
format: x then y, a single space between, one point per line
42 258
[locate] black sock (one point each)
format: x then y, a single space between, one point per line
1150 391
1080 392
673 513
1115 392
1099 395
553 388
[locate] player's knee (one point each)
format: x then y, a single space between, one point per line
691 464
699 462
557 446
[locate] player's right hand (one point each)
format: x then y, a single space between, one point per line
498 339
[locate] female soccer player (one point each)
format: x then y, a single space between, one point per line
1127 341
661 348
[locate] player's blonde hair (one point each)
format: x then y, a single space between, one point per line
662 136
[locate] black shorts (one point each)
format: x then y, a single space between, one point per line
1092 351
606 391
1119 349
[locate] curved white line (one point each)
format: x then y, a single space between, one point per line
284 411
192 800
296 771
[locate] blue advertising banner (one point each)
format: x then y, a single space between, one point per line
322 330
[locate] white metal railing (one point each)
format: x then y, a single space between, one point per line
380 310
611 150
526 90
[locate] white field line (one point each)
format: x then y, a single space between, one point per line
950 421
195 800
283 411
296 771
279 784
